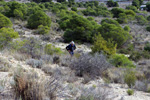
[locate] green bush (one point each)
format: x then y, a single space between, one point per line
148 6
4 21
127 28
141 20
110 21
122 18
147 47
17 10
133 8
120 60
6 36
43 30
78 28
130 92
74 8
111 3
101 45
116 33
50 50
117 11
136 3
18 14
148 28
130 78
135 56
39 18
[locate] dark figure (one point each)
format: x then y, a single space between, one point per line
70 48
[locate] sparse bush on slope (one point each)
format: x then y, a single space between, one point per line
29 86
120 60
92 65
6 36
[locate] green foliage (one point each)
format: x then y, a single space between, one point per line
130 78
90 97
120 60
147 47
110 21
39 18
38 1
148 18
133 8
135 55
130 92
6 36
18 14
148 6
50 50
148 28
4 21
130 13
111 3
117 11
16 10
98 11
116 33
136 3
43 30
61 1
74 8
101 45
141 20
78 28
127 28
122 18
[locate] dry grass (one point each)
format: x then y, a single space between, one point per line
29 86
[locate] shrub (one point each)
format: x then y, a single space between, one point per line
50 50
18 14
110 21
101 45
43 30
35 63
141 20
132 8
93 65
136 3
111 3
29 86
78 28
4 21
39 18
116 33
130 78
148 6
135 56
74 9
92 93
32 47
6 36
122 18
117 11
130 92
148 28
147 47
127 28
120 60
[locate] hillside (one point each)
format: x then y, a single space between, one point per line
111 60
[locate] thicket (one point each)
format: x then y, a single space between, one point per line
111 3
39 18
78 28
116 33
4 21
